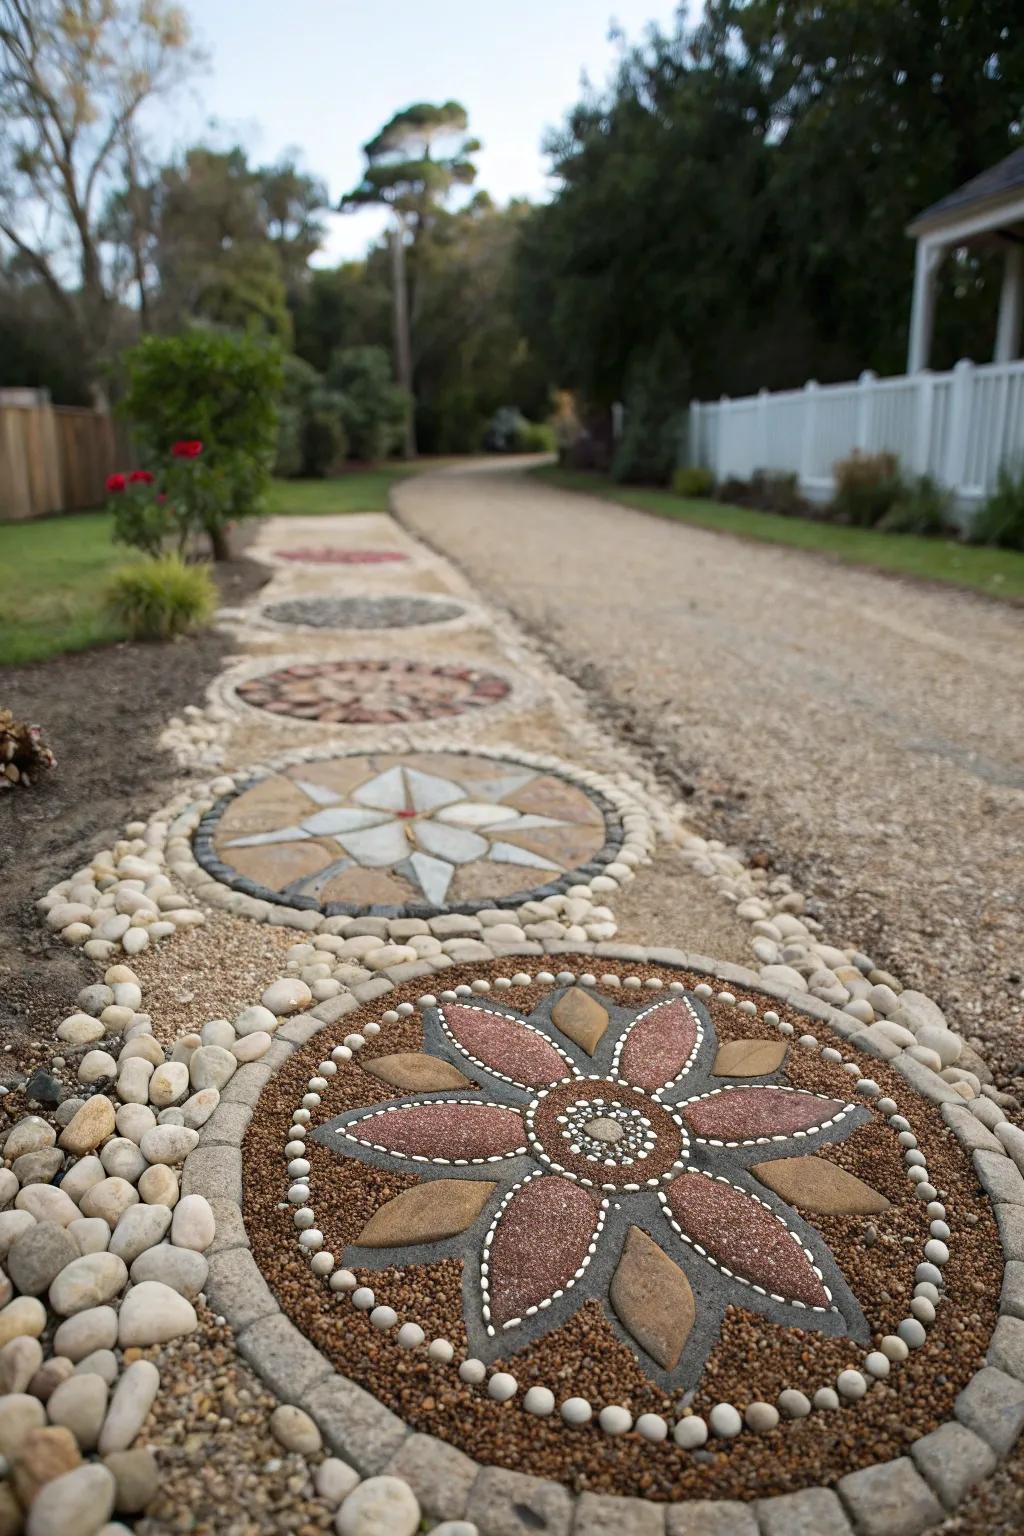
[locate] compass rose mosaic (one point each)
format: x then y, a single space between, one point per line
416 833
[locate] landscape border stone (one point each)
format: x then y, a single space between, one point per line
918 1490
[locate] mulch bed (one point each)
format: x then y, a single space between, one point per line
754 1359
101 711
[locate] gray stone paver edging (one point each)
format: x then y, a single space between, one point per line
896 1498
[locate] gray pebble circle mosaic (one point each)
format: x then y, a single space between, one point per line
398 612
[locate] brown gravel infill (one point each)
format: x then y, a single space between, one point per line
222 1473
210 972
753 1359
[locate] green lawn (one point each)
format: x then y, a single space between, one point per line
360 490
996 572
53 571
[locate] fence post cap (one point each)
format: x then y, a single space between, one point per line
964 365
811 384
867 376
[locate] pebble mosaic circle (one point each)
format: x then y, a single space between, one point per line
636 1207
363 612
410 834
326 554
367 692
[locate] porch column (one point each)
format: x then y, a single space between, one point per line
1011 307
922 313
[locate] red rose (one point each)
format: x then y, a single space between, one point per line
116 482
140 477
188 448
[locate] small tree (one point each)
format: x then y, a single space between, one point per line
404 173
218 388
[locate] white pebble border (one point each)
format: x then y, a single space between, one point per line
689 1431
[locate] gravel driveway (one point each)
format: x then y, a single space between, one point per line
864 734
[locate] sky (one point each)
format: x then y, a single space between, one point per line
322 76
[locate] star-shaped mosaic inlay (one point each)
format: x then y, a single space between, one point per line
392 831
589 1150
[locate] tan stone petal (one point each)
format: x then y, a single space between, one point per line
749 1058
426 1213
815 1184
652 1299
417 1072
581 1017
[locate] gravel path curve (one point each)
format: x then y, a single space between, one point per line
864 734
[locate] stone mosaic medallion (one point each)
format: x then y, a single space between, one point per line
408 834
373 692
585 1150
399 612
327 554
628 1232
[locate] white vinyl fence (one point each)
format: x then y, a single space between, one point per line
958 427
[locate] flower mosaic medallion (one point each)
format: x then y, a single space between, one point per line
587 1151
328 554
362 612
372 692
629 1232
412 834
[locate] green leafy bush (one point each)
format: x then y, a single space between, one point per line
536 437
374 409
158 599
219 388
1000 520
692 481
868 485
923 507
142 515
324 439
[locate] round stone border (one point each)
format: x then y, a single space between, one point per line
687 1432
637 842
616 840
523 694
923 1486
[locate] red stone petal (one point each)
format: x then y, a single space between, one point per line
745 1114
540 1241
745 1236
657 1047
443 1131
505 1045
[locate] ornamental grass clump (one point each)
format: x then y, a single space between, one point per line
24 754
157 599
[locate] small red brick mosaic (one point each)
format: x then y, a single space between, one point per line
368 692
325 555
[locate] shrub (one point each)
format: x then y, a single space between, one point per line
142 515
219 388
158 599
775 490
692 481
535 437
288 457
923 507
324 439
1000 520
374 410
24 754
867 486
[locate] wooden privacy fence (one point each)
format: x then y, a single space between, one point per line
54 458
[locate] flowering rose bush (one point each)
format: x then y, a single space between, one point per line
142 515
187 448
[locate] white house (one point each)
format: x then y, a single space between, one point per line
960 427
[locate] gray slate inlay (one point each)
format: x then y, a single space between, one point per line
363 612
